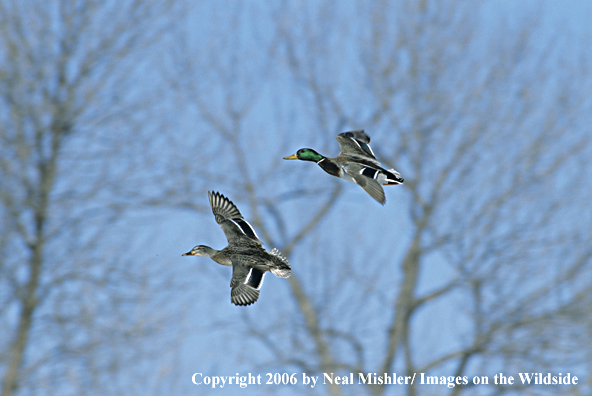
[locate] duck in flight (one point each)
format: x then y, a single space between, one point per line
244 253
355 163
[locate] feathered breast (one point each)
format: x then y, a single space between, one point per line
330 167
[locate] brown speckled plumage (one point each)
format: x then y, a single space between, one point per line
244 252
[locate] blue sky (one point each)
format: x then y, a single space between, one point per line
281 95
260 64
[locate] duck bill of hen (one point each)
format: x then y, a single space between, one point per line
193 252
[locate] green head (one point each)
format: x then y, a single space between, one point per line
306 154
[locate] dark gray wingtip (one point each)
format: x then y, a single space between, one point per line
374 189
222 207
243 295
358 134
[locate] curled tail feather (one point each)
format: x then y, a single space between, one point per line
393 177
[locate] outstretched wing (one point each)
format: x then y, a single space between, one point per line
365 177
246 283
355 143
231 221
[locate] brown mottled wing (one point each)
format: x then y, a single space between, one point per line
235 227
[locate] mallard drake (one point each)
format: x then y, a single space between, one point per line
355 163
244 253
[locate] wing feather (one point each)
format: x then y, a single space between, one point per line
245 283
371 186
231 221
365 177
355 143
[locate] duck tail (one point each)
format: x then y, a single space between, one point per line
393 178
281 267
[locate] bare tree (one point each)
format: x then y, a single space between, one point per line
71 97
480 156
477 265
